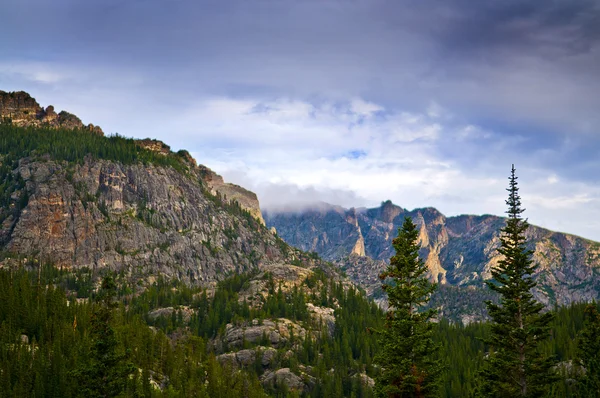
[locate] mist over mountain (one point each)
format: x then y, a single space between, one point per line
458 251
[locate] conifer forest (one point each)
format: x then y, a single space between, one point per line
108 332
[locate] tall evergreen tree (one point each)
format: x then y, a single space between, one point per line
515 366
588 354
408 355
108 370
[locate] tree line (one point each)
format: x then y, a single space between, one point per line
512 348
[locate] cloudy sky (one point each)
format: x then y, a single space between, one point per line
352 102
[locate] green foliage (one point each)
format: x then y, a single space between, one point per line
516 365
74 145
67 338
107 371
588 354
176 355
408 354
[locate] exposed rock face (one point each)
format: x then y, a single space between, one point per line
277 332
284 376
155 146
186 312
324 315
459 251
21 109
142 218
286 276
244 358
231 192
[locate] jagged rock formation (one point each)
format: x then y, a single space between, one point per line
183 222
231 192
247 357
136 217
270 343
21 109
287 377
88 203
217 186
459 251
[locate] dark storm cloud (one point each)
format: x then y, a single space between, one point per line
546 28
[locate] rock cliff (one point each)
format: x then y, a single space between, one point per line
21 109
459 251
137 217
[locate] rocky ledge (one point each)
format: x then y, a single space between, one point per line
21 109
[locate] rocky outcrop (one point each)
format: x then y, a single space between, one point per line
324 316
231 192
21 109
458 251
284 276
285 376
155 146
276 332
185 311
247 357
140 218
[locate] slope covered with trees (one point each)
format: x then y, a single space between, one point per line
46 337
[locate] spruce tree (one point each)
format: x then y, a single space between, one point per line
588 353
515 365
107 372
408 355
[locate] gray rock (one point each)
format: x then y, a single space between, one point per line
284 376
277 333
145 219
458 251
186 312
269 356
228 359
245 357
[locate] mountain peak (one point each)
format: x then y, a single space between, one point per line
21 109
390 211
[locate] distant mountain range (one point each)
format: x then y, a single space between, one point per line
77 199
459 252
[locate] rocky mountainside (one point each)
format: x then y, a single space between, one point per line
459 251
77 199
21 109
191 252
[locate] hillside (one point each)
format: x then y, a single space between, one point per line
207 300
459 252
78 199
193 260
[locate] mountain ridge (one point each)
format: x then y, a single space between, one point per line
458 251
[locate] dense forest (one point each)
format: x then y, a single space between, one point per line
49 321
74 145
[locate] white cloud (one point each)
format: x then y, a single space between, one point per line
292 152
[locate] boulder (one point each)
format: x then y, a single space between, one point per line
284 376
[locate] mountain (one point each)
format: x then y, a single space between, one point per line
77 199
21 109
193 260
199 296
459 252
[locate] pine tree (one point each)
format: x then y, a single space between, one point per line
408 355
108 370
515 366
588 354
